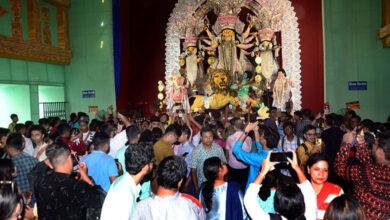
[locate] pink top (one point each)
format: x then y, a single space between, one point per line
246 146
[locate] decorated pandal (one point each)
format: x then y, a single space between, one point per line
229 52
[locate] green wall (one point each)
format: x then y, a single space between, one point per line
352 53
13 99
20 79
92 67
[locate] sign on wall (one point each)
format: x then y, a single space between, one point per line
88 94
357 85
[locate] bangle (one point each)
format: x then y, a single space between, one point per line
90 182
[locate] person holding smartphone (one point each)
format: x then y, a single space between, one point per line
291 201
310 146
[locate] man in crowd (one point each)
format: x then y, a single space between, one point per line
332 138
28 145
101 167
272 121
118 138
59 196
302 119
266 140
238 171
185 151
310 146
168 202
84 129
22 161
290 142
124 192
44 122
37 137
63 131
163 147
371 177
202 152
4 133
11 126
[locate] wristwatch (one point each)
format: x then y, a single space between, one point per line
246 133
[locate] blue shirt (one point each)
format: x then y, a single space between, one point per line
101 167
186 148
253 159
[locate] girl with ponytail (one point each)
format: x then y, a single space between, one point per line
220 199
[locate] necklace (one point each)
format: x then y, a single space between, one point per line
280 100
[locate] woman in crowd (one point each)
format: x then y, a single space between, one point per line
11 202
292 202
344 208
220 199
318 170
267 191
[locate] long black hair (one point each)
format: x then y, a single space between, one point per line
271 180
289 201
7 167
211 169
9 199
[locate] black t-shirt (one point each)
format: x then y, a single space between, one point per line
61 197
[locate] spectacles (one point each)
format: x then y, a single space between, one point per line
311 134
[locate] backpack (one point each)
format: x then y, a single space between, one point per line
306 152
298 142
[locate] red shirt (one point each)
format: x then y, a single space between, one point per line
371 181
80 148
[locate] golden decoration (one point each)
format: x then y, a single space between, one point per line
33 48
227 33
258 60
258 78
160 86
182 71
211 60
182 62
46 27
160 96
258 69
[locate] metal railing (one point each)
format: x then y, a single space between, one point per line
53 109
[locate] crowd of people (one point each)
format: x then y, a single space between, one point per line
196 166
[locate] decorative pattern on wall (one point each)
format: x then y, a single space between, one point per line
34 48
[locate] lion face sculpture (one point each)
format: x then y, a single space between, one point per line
219 82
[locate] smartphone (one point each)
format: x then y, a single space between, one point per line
75 161
280 156
318 141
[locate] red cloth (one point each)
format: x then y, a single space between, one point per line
328 192
80 148
371 181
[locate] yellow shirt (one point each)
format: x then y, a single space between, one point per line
162 150
11 127
302 156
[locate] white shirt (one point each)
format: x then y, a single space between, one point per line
121 198
289 145
257 213
117 142
28 146
196 139
42 156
